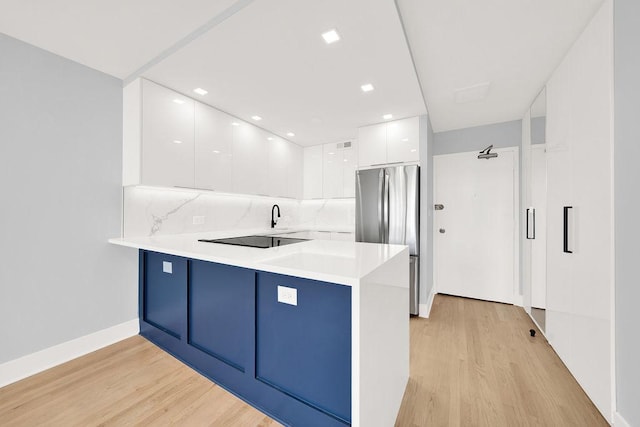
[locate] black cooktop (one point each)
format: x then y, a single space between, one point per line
263 242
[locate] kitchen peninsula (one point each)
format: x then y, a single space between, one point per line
311 333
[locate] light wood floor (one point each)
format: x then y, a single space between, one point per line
473 363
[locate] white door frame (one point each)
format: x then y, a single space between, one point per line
517 296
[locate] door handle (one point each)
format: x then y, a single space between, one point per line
531 213
442 230
565 240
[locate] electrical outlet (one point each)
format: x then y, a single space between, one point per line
287 295
198 220
167 267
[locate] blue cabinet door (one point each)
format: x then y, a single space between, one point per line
221 312
304 350
165 292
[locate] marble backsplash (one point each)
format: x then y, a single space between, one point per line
153 211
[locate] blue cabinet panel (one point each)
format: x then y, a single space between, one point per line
165 292
221 311
304 350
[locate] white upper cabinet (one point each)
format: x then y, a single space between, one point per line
338 170
391 142
280 159
332 171
250 161
313 161
167 137
294 171
349 166
186 143
213 149
373 145
402 140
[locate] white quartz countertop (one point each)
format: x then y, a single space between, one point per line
333 261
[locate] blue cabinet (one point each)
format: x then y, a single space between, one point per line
221 306
293 362
304 350
165 292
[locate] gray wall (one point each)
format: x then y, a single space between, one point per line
60 184
507 134
538 130
627 206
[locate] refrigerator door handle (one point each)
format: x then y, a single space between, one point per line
381 204
385 201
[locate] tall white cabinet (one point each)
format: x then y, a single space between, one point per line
580 211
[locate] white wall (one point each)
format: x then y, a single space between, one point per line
60 180
426 215
627 206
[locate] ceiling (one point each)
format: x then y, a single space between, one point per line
267 58
113 36
512 45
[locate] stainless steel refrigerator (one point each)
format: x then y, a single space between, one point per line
388 211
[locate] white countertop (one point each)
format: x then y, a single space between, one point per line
327 260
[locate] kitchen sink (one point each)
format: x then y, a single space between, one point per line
263 242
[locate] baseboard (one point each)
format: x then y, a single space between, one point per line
425 309
618 421
23 367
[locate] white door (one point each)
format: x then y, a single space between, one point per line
475 248
539 242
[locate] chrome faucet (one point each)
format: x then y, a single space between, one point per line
273 221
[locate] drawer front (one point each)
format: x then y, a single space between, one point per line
304 350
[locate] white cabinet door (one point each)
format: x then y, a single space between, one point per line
373 145
332 171
349 166
279 163
294 171
167 137
213 150
250 161
313 161
402 140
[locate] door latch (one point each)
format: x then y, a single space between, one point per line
438 207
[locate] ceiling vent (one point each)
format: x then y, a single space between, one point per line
472 93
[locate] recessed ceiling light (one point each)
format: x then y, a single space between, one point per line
178 101
216 151
256 118
413 150
387 116
270 138
404 139
331 36
235 124
367 87
291 134
177 141
331 153
346 160
200 91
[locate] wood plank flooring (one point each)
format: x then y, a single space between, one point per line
473 363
